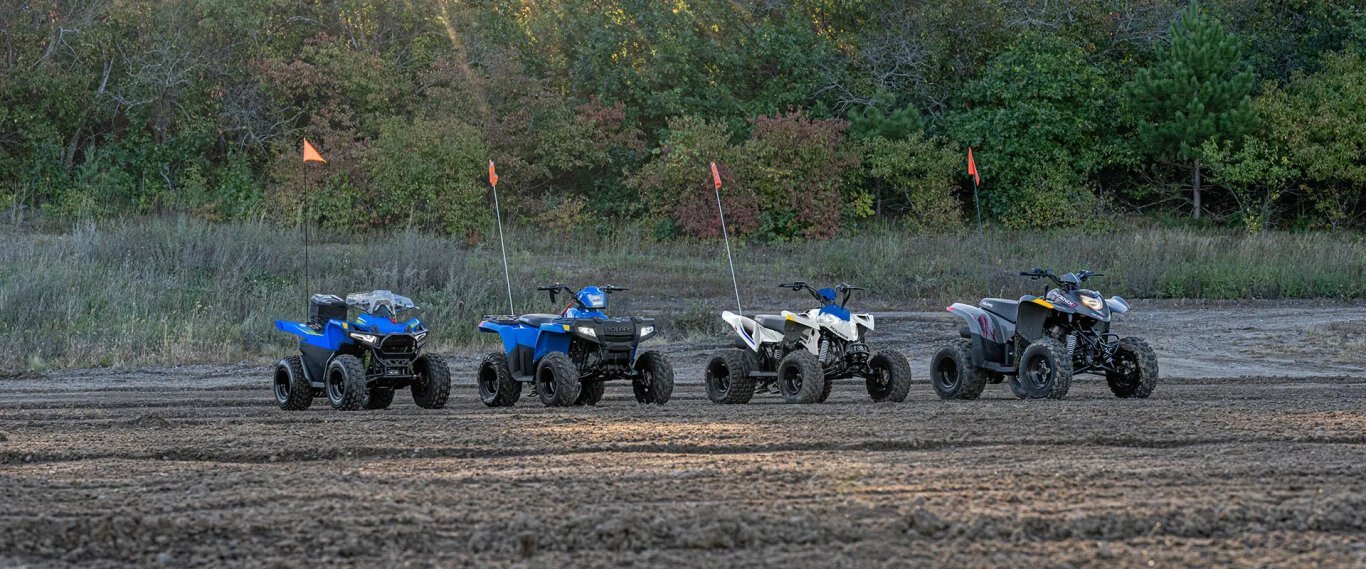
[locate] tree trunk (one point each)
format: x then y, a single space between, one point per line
1195 212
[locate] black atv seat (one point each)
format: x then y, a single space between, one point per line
771 321
536 320
1005 308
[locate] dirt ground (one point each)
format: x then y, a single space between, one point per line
1251 452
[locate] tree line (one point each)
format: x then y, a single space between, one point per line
821 114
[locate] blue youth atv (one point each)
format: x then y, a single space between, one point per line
568 357
358 364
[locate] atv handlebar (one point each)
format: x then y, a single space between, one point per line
844 288
1081 277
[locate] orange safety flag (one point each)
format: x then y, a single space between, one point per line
715 176
311 154
493 175
972 169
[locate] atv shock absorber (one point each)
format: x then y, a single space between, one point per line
824 349
1071 343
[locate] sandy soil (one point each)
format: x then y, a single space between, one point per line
1252 452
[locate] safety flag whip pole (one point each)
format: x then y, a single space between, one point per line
497 213
310 155
981 233
716 181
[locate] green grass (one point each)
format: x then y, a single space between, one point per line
165 292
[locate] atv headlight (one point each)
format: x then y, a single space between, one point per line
365 338
645 331
1092 303
587 331
420 338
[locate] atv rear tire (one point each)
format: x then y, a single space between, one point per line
891 380
953 374
346 383
379 398
496 386
727 378
656 384
591 393
1137 373
801 378
557 380
1045 371
432 387
292 391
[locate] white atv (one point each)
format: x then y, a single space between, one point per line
800 355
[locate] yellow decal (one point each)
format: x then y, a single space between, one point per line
1043 303
566 327
789 317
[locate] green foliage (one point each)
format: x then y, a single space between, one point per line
1321 121
592 107
784 182
1040 118
1196 92
430 172
873 122
915 178
1255 173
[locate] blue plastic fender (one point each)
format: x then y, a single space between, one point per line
332 337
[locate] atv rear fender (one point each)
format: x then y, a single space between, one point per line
549 337
751 334
990 334
331 337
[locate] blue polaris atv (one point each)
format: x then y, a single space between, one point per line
358 364
568 357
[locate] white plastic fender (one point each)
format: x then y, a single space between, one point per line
750 332
812 329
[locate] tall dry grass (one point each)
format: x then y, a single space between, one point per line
154 291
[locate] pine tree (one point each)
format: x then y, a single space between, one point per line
1197 91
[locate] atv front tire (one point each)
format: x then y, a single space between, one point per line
557 380
432 387
727 378
292 391
891 378
953 374
346 388
1137 373
656 384
379 398
801 378
591 393
496 386
1045 371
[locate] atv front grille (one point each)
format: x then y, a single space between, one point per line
398 345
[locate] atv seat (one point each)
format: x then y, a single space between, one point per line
536 320
1008 309
771 321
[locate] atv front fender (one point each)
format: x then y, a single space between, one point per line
553 338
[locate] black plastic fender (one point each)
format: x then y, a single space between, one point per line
1033 312
990 334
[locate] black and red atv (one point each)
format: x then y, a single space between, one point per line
1039 343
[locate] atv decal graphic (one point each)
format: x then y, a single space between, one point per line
1057 297
987 330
